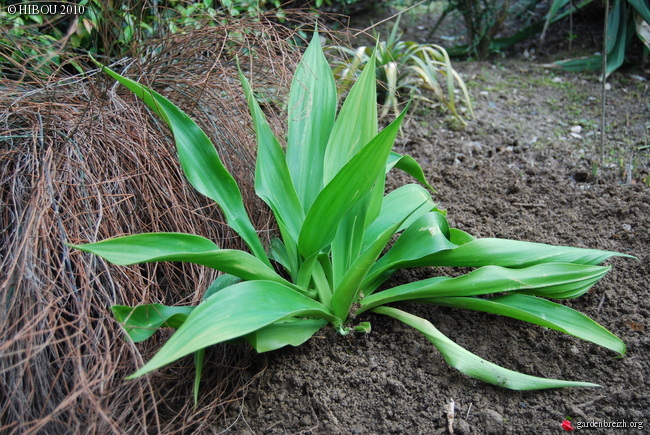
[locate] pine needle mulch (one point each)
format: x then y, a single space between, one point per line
82 160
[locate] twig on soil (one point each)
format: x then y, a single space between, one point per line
602 302
450 415
528 205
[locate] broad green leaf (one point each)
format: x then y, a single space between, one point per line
409 165
272 180
556 5
322 282
553 280
473 365
459 237
513 253
200 161
589 63
355 126
352 183
642 8
614 22
356 123
154 247
426 236
312 108
539 312
221 283
281 254
293 332
143 321
410 201
347 291
346 245
234 312
619 40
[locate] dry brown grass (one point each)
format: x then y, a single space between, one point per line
82 160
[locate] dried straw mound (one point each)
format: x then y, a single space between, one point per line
83 160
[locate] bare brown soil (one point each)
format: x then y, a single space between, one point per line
517 172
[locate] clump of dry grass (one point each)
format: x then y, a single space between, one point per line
82 160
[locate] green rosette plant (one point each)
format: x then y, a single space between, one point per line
341 238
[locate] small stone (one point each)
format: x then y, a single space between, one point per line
626 227
462 427
576 129
493 417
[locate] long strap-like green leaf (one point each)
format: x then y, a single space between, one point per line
312 108
472 365
233 312
200 161
143 321
272 180
355 126
154 247
513 253
540 312
424 237
410 201
555 280
353 182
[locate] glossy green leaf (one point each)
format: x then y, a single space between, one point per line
312 109
588 63
551 279
541 312
459 237
352 183
409 165
143 321
355 126
614 23
200 161
347 291
410 201
426 236
221 283
154 247
291 332
617 36
346 245
272 180
513 253
556 5
641 7
356 123
473 365
235 312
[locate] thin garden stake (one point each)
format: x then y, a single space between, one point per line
603 89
